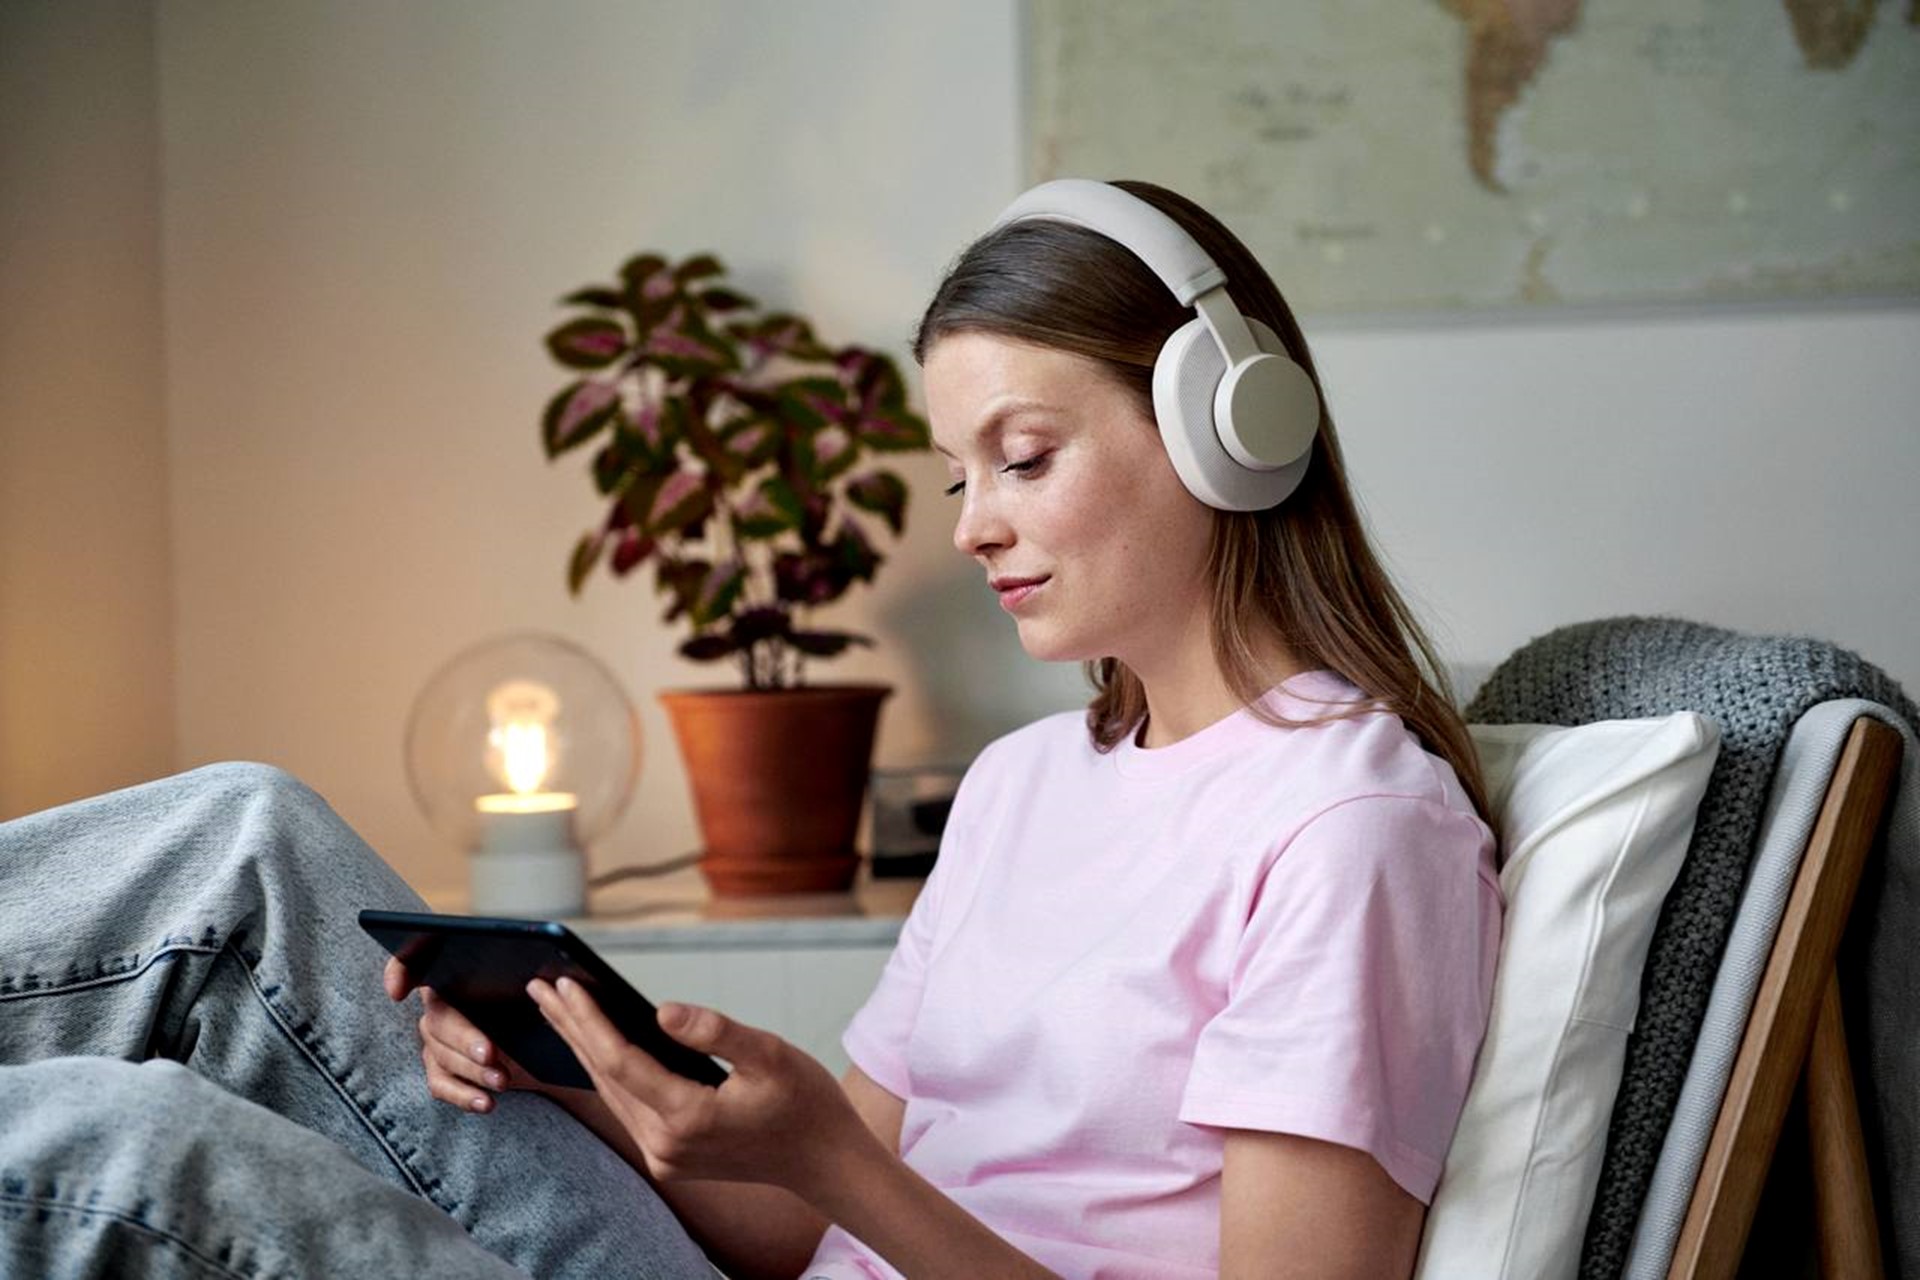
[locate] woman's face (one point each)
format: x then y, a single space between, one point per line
1064 478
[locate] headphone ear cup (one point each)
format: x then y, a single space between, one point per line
1186 382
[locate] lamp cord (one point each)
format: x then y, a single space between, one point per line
637 870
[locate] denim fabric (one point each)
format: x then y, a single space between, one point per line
208 920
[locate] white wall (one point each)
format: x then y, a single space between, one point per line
86 638
1750 469
368 210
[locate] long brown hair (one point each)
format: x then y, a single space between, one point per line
1303 570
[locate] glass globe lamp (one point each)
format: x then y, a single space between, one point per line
522 750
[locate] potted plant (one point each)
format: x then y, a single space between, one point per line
739 456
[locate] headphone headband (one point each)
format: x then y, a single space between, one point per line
1157 240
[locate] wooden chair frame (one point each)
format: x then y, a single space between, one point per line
1795 1033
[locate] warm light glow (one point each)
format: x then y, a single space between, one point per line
521 749
539 802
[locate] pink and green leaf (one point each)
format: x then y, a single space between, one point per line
633 548
756 517
681 500
883 493
718 590
895 432
591 342
577 414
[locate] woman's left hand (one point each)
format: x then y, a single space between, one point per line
779 1118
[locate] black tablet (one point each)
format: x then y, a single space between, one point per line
481 966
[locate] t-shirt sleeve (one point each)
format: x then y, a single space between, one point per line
876 1038
1360 988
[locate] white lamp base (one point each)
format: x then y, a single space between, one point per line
527 865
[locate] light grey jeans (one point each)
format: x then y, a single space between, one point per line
200 1074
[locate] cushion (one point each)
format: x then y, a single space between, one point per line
1593 823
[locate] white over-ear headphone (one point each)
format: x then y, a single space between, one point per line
1238 419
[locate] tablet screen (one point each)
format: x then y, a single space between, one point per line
481 966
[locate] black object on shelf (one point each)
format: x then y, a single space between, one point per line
910 810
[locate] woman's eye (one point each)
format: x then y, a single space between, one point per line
1024 467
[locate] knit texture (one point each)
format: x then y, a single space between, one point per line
1754 687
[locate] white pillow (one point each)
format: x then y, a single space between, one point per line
1593 823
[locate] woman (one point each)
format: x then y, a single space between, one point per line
1196 986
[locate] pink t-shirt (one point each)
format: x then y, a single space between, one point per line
1118 956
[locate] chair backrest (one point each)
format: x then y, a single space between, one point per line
1795 1032
1753 688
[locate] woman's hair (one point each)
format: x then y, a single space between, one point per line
1304 570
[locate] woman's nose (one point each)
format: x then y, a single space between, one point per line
980 526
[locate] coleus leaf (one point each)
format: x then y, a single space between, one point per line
637 493
656 432
813 402
682 337
756 517
586 553
577 414
637 272
884 494
807 577
682 499
611 467
633 548
724 467
753 440
852 553
763 622
647 422
779 333
717 592
596 296
784 499
853 364
833 452
698 267
895 431
708 647
825 644
718 299
591 342
877 384
682 579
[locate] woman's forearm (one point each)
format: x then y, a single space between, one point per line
877 1198
751 1230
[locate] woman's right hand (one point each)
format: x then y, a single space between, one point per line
464 1068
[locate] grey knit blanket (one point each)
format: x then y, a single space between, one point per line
1754 687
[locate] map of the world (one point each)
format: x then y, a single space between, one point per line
1392 155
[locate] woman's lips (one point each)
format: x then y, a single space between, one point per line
1013 597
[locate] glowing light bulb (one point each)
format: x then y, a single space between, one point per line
522 752
524 748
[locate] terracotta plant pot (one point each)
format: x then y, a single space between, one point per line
778 777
